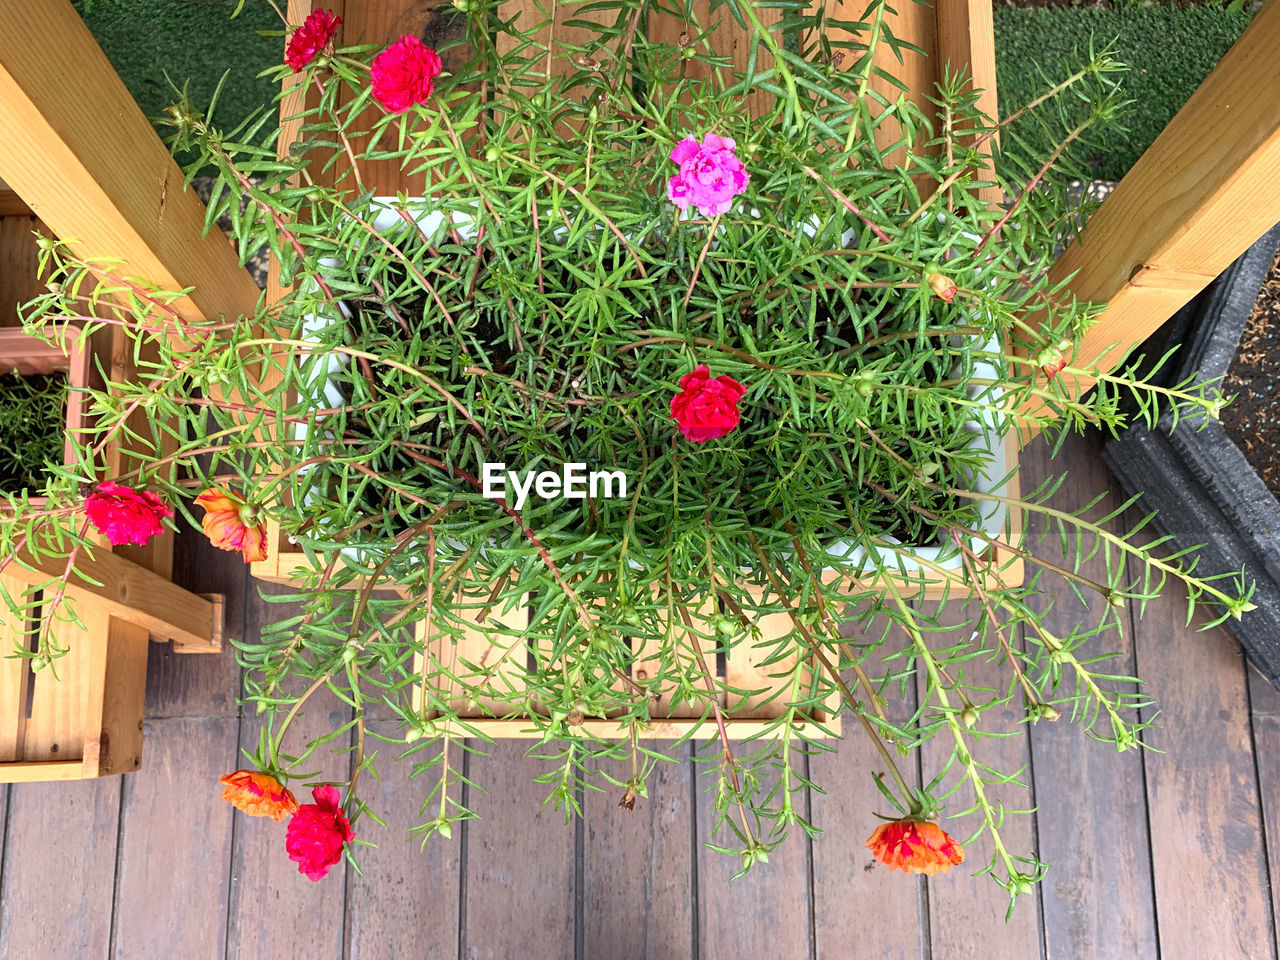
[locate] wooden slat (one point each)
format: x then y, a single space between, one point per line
473 650
966 40
1202 193
60 857
728 39
265 878
764 914
398 879
95 170
127 591
1202 790
963 909
179 686
19 267
15 675
647 662
514 832
844 871
168 863
22 771
1091 808
637 866
1264 713
60 706
120 747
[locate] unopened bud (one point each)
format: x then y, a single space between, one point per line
1022 884
492 153
349 653
628 801
38 664
969 717
689 53
413 733
1044 711
944 287
726 626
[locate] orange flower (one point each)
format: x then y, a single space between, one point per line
915 846
258 794
232 524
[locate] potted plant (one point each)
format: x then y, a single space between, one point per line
637 375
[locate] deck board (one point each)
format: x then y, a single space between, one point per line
153 865
1091 817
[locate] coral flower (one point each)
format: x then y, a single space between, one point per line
258 794
317 833
707 408
915 846
124 515
403 74
232 524
315 36
1051 361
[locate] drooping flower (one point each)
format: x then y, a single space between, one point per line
124 515
944 287
258 794
403 74
317 833
915 846
232 524
314 37
710 176
706 408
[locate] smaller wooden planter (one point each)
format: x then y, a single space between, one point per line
474 655
82 716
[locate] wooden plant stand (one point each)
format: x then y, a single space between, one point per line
955 32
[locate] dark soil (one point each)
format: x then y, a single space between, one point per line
1252 419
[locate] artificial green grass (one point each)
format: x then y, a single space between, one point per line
1169 50
190 40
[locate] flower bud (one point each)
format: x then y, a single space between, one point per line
689 53
38 664
969 717
1051 360
943 287
492 153
726 626
462 6
413 733
349 653
444 827
1022 884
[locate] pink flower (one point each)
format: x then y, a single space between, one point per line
710 175
124 515
317 833
706 409
403 74
315 36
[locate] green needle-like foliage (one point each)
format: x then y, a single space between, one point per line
541 306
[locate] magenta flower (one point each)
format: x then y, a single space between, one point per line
710 175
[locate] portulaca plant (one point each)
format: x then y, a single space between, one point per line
787 359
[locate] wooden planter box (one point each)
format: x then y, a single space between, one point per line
955 32
82 717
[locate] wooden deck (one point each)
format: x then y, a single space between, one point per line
1155 854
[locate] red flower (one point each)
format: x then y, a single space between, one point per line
317 833
915 846
312 38
232 524
403 74
258 794
706 409
124 515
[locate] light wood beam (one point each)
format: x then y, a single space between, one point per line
78 150
1197 199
